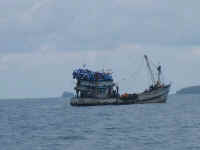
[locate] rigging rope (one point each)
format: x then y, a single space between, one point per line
138 71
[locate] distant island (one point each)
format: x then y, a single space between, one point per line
189 90
67 94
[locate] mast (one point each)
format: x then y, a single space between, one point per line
159 69
149 67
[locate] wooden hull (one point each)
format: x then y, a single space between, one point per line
156 96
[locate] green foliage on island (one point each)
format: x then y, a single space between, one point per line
189 90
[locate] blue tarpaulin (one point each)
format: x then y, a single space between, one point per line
85 74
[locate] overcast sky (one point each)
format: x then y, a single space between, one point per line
42 41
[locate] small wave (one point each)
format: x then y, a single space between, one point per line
72 137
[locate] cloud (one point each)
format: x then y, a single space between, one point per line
77 25
28 15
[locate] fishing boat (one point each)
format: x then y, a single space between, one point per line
99 88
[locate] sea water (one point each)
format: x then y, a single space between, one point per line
52 124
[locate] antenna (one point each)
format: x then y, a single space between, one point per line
84 65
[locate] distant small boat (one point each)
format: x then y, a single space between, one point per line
98 88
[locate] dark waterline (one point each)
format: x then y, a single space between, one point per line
54 125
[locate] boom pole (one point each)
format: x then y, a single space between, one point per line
149 67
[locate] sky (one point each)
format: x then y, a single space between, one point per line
42 41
